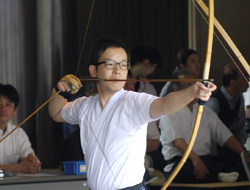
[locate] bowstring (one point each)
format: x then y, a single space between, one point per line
84 39
198 9
84 112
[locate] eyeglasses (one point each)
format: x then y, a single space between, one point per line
110 64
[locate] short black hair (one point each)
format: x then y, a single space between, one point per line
10 92
140 53
183 55
102 44
230 72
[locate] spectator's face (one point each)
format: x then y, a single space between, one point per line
150 69
241 84
118 55
7 110
193 64
186 84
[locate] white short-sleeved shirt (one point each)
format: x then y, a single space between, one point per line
180 125
120 129
165 89
148 88
247 96
153 131
16 144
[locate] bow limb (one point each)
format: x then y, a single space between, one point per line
200 107
227 38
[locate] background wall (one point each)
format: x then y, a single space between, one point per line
41 42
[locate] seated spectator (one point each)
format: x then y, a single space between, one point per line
144 61
16 154
186 59
228 103
200 167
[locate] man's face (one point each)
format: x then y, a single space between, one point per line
193 64
186 84
118 55
7 110
150 69
241 84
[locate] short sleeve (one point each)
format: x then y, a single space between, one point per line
70 111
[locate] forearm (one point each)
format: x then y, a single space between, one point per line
177 100
55 106
171 103
152 145
234 145
15 168
181 145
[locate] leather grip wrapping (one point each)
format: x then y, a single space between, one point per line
200 102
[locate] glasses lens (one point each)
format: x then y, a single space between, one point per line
109 64
124 65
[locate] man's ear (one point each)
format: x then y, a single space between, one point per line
232 82
146 63
92 70
182 66
15 111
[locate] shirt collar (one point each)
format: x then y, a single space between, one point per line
6 132
228 96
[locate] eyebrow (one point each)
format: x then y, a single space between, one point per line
9 102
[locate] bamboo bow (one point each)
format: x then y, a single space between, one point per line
200 106
227 38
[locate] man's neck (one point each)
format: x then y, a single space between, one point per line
104 97
231 91
136 71
3 127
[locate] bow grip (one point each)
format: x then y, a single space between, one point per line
201 102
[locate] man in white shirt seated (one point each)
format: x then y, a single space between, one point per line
201 166
16 154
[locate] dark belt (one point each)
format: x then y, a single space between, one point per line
139 186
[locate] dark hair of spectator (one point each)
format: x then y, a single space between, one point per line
139 53
183 55
10 92
176 85
232 74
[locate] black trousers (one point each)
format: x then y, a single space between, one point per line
139 186
214 164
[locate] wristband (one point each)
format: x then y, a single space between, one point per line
66 95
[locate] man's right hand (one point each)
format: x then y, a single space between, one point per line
200 169
69 83
29 167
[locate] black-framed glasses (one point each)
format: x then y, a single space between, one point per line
110 64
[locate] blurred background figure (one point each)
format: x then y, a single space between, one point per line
16 153
228 102
186 59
